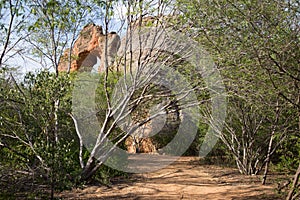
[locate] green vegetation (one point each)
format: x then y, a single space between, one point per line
255 46
30 144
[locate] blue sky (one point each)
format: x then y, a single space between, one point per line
31 63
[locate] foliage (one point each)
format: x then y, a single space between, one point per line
28 123
255 50
27 138
55 28
12 25
255 45
289 154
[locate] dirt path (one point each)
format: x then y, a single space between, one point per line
184 179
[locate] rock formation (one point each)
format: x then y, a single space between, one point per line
88 48
140 141
89 51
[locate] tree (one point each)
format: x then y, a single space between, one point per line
145 60
55 27
13 14
27 124
256 50
293 193
156 72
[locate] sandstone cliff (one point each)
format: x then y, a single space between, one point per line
89 51
89 48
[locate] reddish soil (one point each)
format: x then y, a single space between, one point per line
184 179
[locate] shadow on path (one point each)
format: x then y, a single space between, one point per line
183 179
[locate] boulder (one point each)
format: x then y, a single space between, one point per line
139 145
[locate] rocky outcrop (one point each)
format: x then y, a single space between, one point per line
144 145
88 50
140 141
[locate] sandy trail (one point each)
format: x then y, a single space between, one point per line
183 179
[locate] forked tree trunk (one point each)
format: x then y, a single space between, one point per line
88 171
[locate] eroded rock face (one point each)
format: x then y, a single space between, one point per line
89 48
139 145
88 51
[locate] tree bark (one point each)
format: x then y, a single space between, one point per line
270 144
268 159
295 185
87 171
